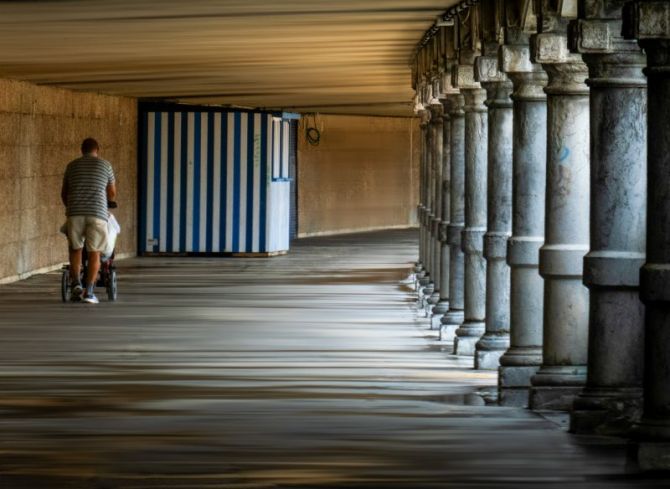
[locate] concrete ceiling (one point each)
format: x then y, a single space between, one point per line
338 56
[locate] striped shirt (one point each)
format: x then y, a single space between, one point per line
86 181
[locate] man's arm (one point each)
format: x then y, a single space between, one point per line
63 193
111 191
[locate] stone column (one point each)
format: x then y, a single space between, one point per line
649 22
421 209
442 306
612 399
424 278
437 132
476 140
566 300
495 340
426 289
453 319
524 356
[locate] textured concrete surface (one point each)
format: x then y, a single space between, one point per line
309 370
363 174
41 130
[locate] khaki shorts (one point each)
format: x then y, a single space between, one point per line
89 229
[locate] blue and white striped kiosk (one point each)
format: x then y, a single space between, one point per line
214 181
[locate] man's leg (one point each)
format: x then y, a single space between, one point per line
75 245
75 266
96 240
92 271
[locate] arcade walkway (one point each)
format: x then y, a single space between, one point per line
309 370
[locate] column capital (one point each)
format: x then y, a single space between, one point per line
598 36
436 112
463 77
567 78
649 23
552 48
475 98
433 91
647 20
436 82
446 84
486 70
612 60
515 58
454 104
498 87
424 115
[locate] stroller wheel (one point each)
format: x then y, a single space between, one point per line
112 285
65 286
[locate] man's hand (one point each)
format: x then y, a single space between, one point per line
111 191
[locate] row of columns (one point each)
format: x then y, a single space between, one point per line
535 257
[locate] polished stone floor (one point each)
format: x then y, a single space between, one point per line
310 370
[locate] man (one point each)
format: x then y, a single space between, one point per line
88 185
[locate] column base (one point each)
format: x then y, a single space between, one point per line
448 332
489 349
514 385
451 321
467 337
611 412
427 288
418 277
429 302
653 456
556 387
652 445
440 309
522 356
487 360
422 302
424 280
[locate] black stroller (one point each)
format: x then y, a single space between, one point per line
106 276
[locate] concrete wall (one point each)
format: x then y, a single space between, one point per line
41 129
363 175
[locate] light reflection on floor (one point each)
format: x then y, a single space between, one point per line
310 370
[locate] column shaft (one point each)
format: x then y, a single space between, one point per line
454 317
424 279
495 340
648 22
476 141
427 289
612 399
524 356
442 306
566 300
656 272
421 269
437 133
